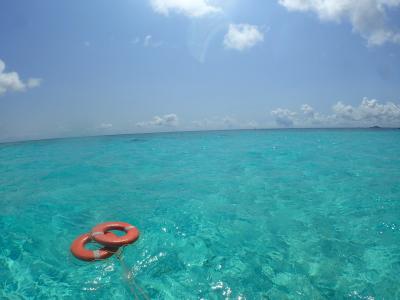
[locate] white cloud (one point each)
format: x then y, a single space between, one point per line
242 36
310 117
368 17
308 110
284 117
169 120
369 113
10 81
189 8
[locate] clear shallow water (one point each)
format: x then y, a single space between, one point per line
290 214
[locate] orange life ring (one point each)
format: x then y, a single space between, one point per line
98 233
79 251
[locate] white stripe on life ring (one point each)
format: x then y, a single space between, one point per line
96 254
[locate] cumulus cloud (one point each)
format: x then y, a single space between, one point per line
367 17
368 113
189 8
308 110
284 117
10 81
169 120
310 117
242 36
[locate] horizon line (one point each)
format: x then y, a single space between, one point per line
17 140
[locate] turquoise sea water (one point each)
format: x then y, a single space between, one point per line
274 214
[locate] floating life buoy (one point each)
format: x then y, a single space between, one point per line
79 251
98 234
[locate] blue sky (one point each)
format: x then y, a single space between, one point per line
102 67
